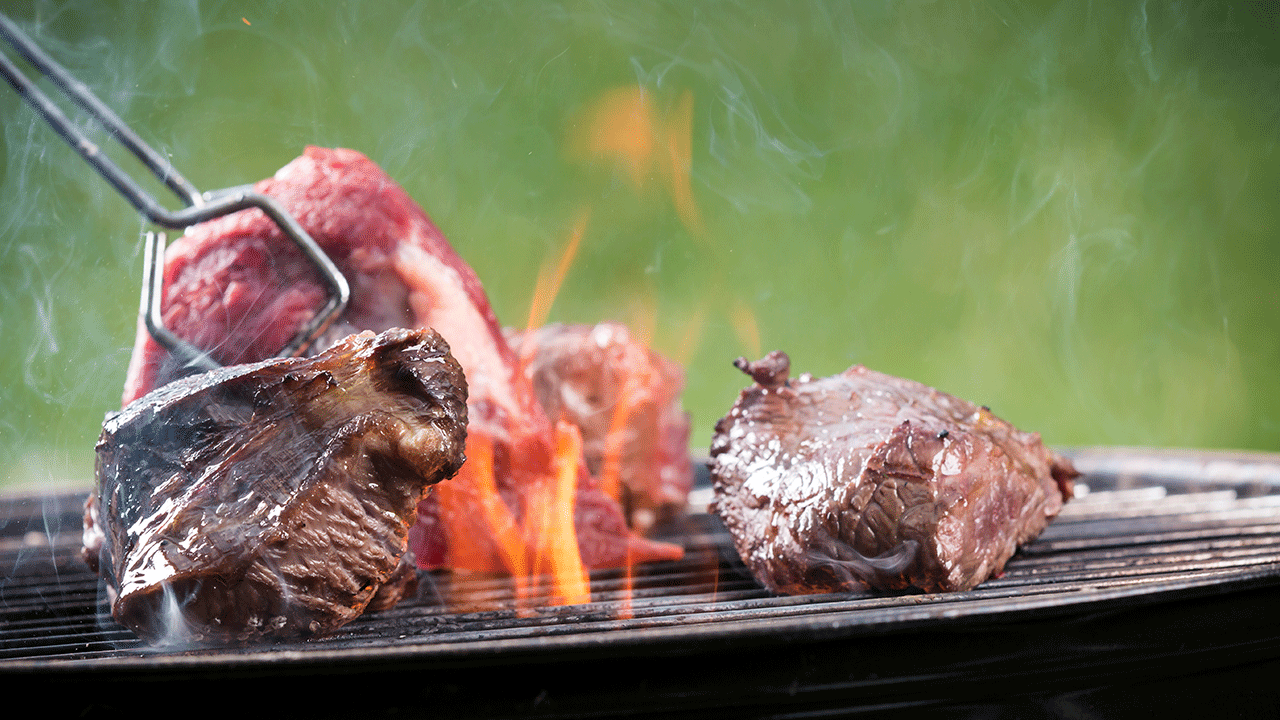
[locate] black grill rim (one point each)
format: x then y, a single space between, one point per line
968 640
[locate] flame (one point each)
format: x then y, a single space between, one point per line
539 546
501 524
748 331
538 540
680 156
691 335
550 277
630 397
552 508
623 128
620 126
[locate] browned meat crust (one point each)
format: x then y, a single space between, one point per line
274 498
864 479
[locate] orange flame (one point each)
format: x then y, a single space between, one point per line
502 524
543 546
622 127
691 335
744 324
552 509
550 278
680 154
630 397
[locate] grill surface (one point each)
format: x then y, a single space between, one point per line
1167 566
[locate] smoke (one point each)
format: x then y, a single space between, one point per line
68 245
1065 212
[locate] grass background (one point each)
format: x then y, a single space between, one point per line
1065 211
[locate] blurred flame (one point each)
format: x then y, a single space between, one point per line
631 396
556 543
632 393
543 545
497 516
691 334
550 278
680 154
748 331
475 487
622 127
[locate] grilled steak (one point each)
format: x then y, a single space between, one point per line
274 498
626 400
864 479
237 288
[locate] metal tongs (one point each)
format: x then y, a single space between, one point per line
199 207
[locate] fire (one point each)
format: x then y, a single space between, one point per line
476 486
622 127
746 327
532 536
679 154
556 543
539 543
629 398
550 278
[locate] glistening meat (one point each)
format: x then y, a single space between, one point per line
864 479
236 287
274 498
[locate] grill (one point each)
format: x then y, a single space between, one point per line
1165 572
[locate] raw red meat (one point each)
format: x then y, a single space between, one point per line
626 399
239 289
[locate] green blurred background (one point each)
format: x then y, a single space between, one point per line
1065 211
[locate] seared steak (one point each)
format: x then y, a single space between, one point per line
626 400
864 479
238 289
274 498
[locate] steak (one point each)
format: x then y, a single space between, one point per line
868 480
238 289
274 498
625 398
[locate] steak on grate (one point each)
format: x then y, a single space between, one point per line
864 479
274 498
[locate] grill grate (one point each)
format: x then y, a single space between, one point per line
1156 533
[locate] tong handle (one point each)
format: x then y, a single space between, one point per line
199 207
80 94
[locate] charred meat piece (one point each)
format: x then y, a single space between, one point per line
864 479
625 398
238 289
275 498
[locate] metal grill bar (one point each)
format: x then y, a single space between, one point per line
1132 541
1153 539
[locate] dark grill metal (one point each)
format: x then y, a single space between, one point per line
1169 564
